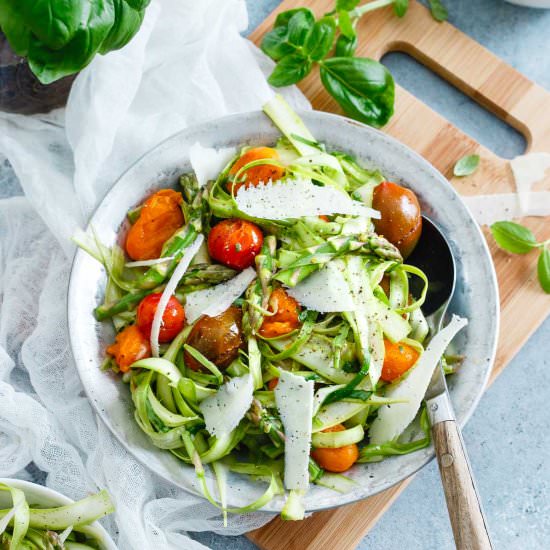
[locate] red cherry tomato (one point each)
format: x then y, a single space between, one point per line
235 243
172 319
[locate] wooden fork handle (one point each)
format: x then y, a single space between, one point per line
465 512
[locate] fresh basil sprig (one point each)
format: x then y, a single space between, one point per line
61 38
518 239
363 87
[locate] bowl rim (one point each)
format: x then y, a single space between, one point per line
396 143
42 492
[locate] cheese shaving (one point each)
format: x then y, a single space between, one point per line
325 291
487 209
223 411
296 198
528 170
169 290
207 162
215 300
294 398
393 419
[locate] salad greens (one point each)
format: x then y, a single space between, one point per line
61 528
275 366
61 38
518 239
363 87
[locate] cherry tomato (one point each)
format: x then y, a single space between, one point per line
337 459
130 346
401 221
255 174
173 317
286 318
159 219
235 243
272 384
398 359
217 338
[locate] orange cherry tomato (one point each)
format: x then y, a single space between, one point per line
401 221
338 459
398 359
159 219
217 338
173 317
272 384
255 174
235 243
286 317
130 346
324 218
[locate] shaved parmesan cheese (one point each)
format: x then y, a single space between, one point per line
169 290
296 198
207 162
223 411
294 398
487 209
326 291
148 263
393 419
215 300
528 170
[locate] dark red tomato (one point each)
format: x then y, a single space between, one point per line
172 319
235 243
401 221
217 338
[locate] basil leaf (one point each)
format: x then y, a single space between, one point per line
300 26
284 17
346 4
513 237
345 24
12 25
345 47
275 43
439 11
543 270
400 7
364 88
290 69
127 23
49 65
321 38
466 165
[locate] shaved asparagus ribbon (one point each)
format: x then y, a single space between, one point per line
71 517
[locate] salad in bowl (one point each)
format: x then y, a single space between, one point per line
263 319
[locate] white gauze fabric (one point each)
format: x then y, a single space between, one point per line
187 64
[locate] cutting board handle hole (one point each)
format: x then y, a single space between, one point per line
464 112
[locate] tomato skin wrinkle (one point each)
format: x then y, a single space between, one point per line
173 318
235 243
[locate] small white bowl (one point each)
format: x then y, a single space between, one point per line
38 495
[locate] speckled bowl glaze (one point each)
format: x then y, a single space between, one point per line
42 497
476 295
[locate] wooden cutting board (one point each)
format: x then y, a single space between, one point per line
508 94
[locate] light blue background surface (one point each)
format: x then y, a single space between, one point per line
508 437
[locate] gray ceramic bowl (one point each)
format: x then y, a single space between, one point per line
476 295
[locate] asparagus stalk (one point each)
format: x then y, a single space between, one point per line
315 257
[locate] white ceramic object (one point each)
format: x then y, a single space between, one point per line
544 4
476 295
42 497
